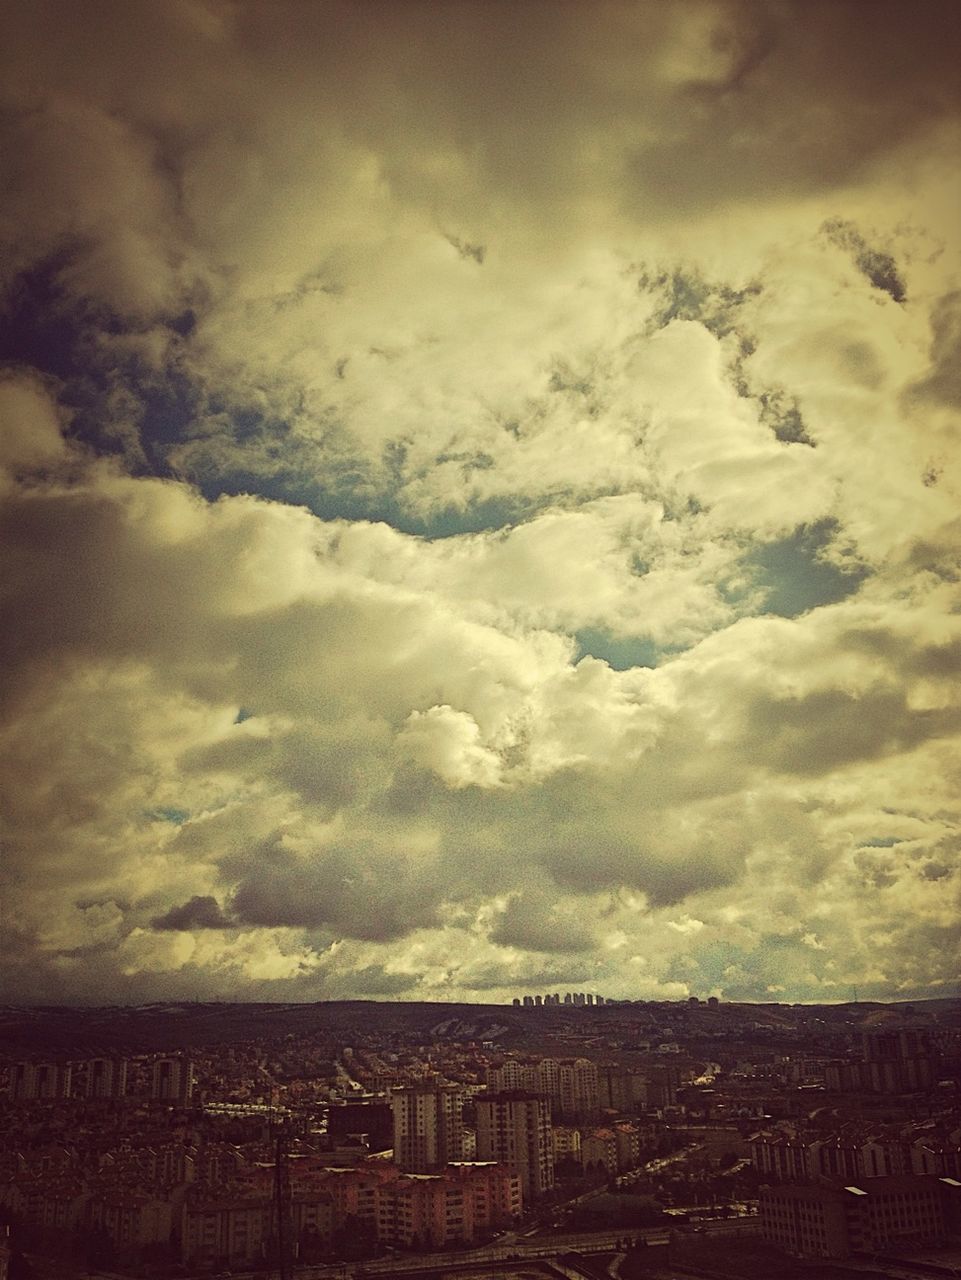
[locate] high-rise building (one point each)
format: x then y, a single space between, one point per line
32 1080
105 1078
513 1074
569 1084
576 1094
621 1088
172 1080
903 1061
428 1127
514 1128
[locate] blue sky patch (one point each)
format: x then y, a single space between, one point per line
796 577
619 652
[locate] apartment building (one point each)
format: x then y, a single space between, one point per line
428 1127
514 1128
865 1217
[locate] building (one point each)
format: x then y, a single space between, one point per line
628 1146
570 1084
806 1221
458 1206
30 1081
855 1152
105 1078
567 1143
867 1217
780 1156
621 1088
240 1226
514 1128
231 1227
428 1127
599 1151
576 1095
172 1080
132 1219
513 1074
892 1062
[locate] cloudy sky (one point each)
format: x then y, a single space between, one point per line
479 488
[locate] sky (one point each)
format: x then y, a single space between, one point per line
479 499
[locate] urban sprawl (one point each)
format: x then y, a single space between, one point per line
560 1135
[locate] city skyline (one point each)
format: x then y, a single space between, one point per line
480 500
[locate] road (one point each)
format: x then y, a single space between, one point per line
522 1249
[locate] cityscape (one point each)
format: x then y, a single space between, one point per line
480 639
556 1136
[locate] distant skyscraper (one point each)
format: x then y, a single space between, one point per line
514 1128
428 1127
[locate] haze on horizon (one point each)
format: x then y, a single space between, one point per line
479 488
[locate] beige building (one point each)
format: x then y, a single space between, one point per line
577 1089
428 1127
458 1206
566 1142
599 1151
514 1128
570 1084
866 1217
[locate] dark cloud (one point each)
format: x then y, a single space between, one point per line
345 889
474 252
783 415
943 381
685 294
878 267
534 921
201 912
831 728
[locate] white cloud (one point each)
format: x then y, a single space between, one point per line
586 309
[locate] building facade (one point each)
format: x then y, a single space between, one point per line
867 1217
514 1128
172 1080
428 1127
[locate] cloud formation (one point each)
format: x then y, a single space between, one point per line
479 500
